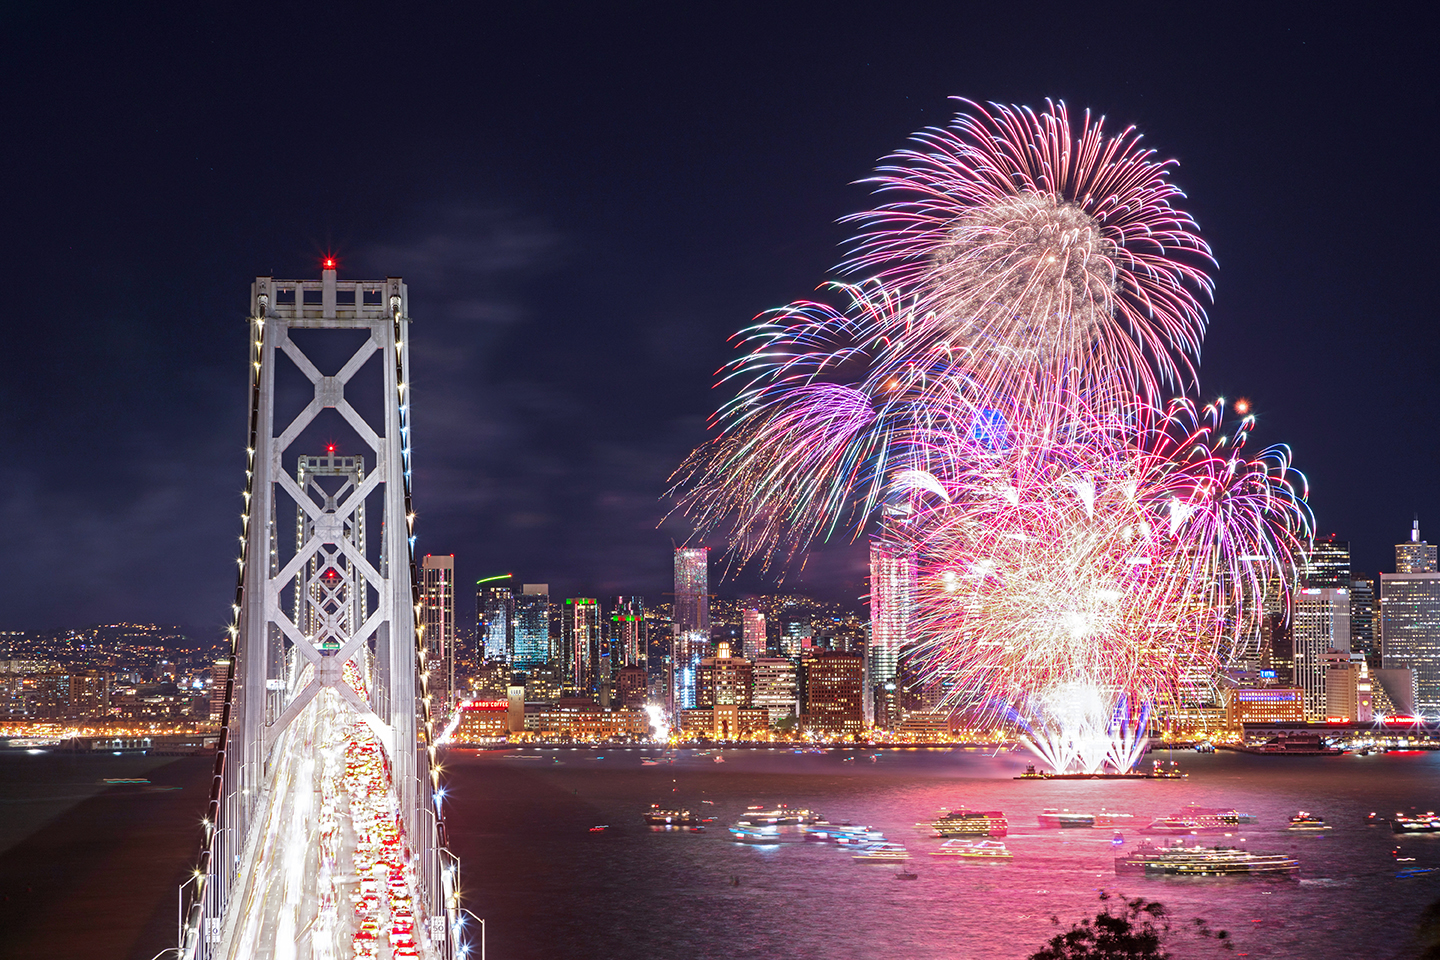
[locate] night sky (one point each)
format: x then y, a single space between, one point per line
586 202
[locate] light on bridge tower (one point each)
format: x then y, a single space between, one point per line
326 676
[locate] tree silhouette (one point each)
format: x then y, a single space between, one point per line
1124 929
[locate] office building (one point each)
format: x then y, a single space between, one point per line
1321 627
1327 564
495 621
1410 632
629 646
631 688
892 608
1348 695
774 688
831 693
437 610
753 639
532 626
581 647
1364 638
1265 705
1416 556
691 616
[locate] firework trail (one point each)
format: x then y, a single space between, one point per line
1046 255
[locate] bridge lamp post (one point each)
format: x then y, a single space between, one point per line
481 921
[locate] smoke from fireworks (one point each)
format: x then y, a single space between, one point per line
990 402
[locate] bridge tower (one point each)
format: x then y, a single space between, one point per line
326 754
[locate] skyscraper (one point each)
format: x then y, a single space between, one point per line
1363 638
495 619
1320 630
692 621
1417 556
1327 564
438 609
752 634
892 605
580 647
532 626
628 642
775 690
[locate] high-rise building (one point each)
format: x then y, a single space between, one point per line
892 606
724 680
692 621
580 647
1327 564
1417 556
1321 628
532 626
753 639
831 687
438 612
630 688
774 687
628 642
1410 632
495 620
1363 636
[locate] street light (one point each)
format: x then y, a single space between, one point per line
481 921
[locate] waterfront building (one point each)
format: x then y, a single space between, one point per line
724 680
1348 695
1321 627
892 609
495 620
691 638
437 600
1394 691
483 721
724 722
831 693
753 639
582 719
1416 556
1283 704
580 646
532 626
774 688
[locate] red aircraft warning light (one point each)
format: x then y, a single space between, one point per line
328 263
330 448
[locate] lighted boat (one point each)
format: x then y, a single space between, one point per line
1424 823
842 833
973 850
887 852
1073 819
970 823
781 816
1198 861
658 816
1192 819
1307 821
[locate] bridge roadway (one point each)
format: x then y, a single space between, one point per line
298 896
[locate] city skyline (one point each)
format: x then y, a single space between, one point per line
547 274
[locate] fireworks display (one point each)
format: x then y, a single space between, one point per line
989 401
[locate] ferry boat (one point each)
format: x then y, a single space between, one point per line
1192 819
781 816
765 834
974 850
658 816
842 833
1051 817
1181 861
1425 823
1307 821
1158 771
970 823
885 852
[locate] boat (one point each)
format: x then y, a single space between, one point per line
1307 821
1051 817
600 828
1426 823
764 834
1158 771
842 833
992 850
1414 872
719 759
904 874
647 762
658 816
1199 861
1192 819
1292 744
970 823
780 816
886 852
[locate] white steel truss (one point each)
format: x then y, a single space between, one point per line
284 659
